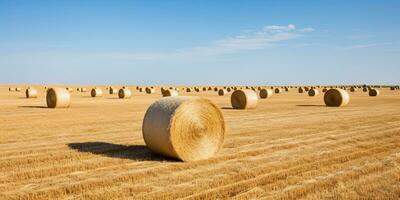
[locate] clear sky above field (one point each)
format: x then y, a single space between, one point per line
199 42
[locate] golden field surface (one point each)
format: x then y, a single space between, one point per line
291 147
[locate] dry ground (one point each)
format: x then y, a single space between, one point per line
290 147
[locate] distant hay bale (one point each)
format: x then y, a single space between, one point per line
70 90
188 89
278 90
96 92
58 98
11 89
141 89
18 89
222 92
150 90
353 89
313 92
286 89
204 89
306 89
185 128
301 90
124 93
112 90
266 93
373 92
170 93
215 89
83 89
336 97
324 90
244 99
228 89
197 89
31 93
365 89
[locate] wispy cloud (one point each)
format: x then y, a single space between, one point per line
267 37
363 46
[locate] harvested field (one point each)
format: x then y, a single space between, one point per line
290 147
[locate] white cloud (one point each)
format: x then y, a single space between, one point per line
363 46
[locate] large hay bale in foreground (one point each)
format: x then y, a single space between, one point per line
124 93
96 92
170 93
31 93
373 92
313 92
222 92
185 128
336 97
266 93
58 98
244 99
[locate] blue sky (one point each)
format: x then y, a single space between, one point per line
200 42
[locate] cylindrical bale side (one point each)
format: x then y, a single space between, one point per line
96 92
31 93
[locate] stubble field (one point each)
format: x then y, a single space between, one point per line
290 147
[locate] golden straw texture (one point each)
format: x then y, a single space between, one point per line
124 93
244 99
336 97
31 93
58 98
265 93
185 128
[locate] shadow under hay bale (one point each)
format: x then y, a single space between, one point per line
132 152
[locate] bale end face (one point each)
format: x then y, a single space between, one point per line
96 92
313 92
185 128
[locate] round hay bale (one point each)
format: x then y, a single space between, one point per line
11 89
306 89
188 89
150 90
222 92
58 98
313 92
83 89
185 128
70 90
228 89
353 89
278 90
266 93
96 92
112 90
365 89
170 93
373 92
31 93
216 89
124 93
324 90
244 99
336 97
286 89
141 89
18 89
301 90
